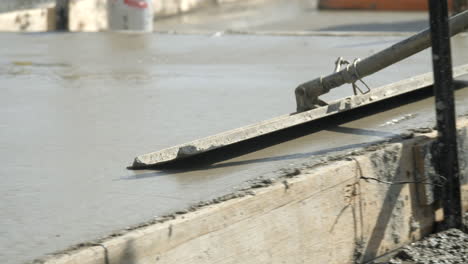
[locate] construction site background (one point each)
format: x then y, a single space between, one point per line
92 15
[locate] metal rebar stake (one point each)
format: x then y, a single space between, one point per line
446 145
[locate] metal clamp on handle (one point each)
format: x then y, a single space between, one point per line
307 93
356 89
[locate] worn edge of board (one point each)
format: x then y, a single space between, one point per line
285 121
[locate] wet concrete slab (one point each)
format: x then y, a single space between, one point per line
76 108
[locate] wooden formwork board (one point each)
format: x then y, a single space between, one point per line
350 210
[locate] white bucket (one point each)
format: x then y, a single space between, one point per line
134 15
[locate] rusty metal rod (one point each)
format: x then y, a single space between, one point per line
446 145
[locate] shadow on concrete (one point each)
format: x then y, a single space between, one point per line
332 123
382 224
209 160
127 256
399 172
169 171
363 132
388 168
403 26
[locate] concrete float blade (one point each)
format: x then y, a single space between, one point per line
282 122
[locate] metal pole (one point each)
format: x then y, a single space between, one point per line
459 6
61 15
446 145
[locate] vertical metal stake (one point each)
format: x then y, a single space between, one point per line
445 113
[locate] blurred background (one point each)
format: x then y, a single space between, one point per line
216 15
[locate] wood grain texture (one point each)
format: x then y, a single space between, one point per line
352 209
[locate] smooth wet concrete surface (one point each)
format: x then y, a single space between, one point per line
290 15
75 109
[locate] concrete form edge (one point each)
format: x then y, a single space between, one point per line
341 211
